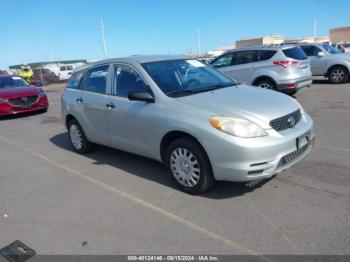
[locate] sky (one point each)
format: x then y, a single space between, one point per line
41 30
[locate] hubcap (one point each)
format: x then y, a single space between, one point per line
185 167
338 75
75 136
265 85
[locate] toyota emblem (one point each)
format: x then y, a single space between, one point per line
291 121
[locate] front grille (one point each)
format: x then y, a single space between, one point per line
283 123
24 100
292 156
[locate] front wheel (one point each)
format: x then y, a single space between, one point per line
189 165
338 75
77 138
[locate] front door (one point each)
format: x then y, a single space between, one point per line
131 123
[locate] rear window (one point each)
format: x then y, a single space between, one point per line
75 80
295 53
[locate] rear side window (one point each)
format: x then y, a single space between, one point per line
222 61
245 57
96 80
295 53
75 80
266 54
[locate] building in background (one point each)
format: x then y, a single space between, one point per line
319 39
264 40
340 35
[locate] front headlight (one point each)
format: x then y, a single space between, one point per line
2 100
237 127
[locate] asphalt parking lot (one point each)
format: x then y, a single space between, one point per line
111 202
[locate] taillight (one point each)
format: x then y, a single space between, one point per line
286 64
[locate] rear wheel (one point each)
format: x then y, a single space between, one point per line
266 83
77 138
338 75
189 165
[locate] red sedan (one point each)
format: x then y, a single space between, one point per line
17 96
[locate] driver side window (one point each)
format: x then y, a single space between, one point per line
126 80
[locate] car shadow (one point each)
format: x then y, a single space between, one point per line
153 170
21 115
320 81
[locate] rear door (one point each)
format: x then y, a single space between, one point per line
242 65
91 103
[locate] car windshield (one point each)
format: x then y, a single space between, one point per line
186 76
330 49
12 82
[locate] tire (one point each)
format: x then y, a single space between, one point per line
338 75
266 83
77 138
189 165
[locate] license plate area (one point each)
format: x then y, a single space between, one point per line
303 140
25 106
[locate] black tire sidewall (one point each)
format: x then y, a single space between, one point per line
206 175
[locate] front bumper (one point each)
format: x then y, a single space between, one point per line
240 160
8 109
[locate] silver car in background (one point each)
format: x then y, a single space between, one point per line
327 61
198 121
281 68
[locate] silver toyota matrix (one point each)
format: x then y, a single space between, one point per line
199 122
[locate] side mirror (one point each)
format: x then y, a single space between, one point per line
321 54
141 96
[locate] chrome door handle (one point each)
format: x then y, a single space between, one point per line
110 105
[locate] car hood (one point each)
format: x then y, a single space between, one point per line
11 92
244 101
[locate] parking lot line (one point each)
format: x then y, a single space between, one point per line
139 201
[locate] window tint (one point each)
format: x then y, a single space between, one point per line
75 80
63 68
311 50
224 60
266 54
127 80
295 53
96 80
69 67
245 57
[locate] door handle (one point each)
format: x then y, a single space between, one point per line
79 100
110 105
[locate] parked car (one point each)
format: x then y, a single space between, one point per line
327 61
282 68
44 76
63 71
342 47
17 96
202 124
